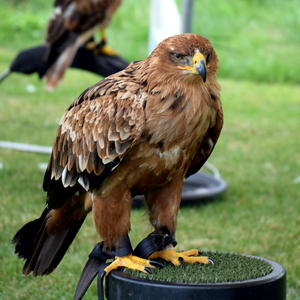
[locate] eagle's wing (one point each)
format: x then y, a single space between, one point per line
95 133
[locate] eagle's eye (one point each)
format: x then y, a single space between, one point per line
177 57
208 57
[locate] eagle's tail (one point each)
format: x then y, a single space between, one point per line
41 251
56 71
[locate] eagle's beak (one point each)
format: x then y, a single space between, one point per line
198 67
199 63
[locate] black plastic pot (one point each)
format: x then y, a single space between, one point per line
270 287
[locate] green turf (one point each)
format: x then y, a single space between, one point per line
228 267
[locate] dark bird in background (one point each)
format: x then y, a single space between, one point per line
28 61
73 23
140 131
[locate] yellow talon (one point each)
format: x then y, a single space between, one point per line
91 45
107 50
132 262
101 47
178 258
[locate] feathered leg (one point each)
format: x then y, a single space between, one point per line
163 204
112 220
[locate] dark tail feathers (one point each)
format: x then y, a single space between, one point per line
42 252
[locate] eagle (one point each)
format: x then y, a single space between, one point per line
142 130
73 23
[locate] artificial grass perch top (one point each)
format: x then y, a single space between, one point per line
228 267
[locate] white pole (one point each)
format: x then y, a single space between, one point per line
165 21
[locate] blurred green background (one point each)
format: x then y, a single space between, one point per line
258 154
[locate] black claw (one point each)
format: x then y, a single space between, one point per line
148 270
211 260
156 264
181 260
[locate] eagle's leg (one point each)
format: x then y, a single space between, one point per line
102 46
111 213
123 257
163 204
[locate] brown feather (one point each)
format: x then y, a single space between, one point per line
66 216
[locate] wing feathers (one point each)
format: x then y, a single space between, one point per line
121 147
82 162
95 131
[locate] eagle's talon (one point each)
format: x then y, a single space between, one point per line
179 258
149 271
211 260
155 263
131 262
181 261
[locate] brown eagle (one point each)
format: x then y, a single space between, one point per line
140 131
73 23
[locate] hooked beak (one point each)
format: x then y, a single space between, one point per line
199 66
199 63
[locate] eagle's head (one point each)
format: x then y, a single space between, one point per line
184 56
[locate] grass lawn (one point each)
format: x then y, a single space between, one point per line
258 153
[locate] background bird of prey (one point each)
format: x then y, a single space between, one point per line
72 23
28 61
140 131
